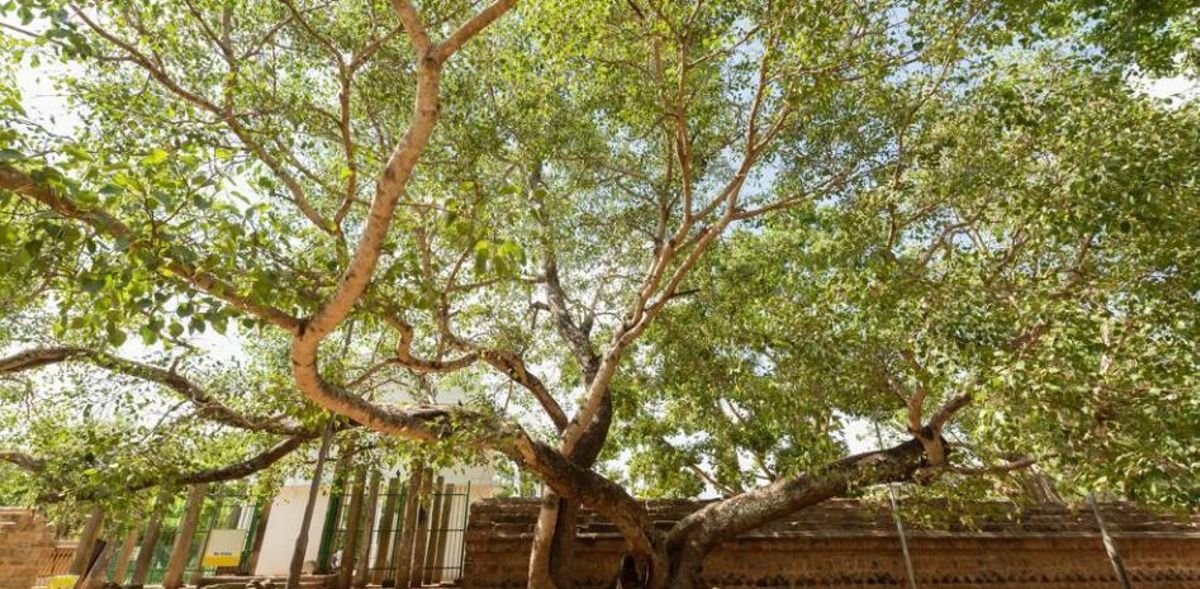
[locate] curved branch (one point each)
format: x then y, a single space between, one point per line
24 185
208 406
23 461
703 530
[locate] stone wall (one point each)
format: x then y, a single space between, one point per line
25 543
843 544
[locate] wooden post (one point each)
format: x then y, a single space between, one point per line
123 556
363 558
259 533
443 523
422 535
182 548
403 558
87 542
350 544
297 565
437 498
145 556
386 530
97 572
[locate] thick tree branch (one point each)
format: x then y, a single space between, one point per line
208 406
22 184
361 267
703 530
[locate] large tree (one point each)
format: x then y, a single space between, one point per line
633 213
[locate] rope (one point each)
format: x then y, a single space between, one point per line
1110 547
908 565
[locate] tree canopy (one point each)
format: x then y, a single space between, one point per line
651 248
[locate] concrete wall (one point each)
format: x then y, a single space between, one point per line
283 525
279 538
851 544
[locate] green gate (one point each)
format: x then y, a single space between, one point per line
439 534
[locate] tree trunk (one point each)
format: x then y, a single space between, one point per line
87 542
297 564
145 556
551 559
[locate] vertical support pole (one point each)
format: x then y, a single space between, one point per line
384 541
443 526
124 555
259 530
182 548
353 524
145 556
97 571
1110 547
404 544
364 549
422 535
87 542
436 499
335 514
297 564
462 544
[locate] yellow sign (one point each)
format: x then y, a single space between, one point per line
61 582
224 548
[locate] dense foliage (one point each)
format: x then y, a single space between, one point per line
733 234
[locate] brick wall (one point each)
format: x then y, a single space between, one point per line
25 542
843 544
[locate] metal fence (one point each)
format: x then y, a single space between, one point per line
438 534
222 509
